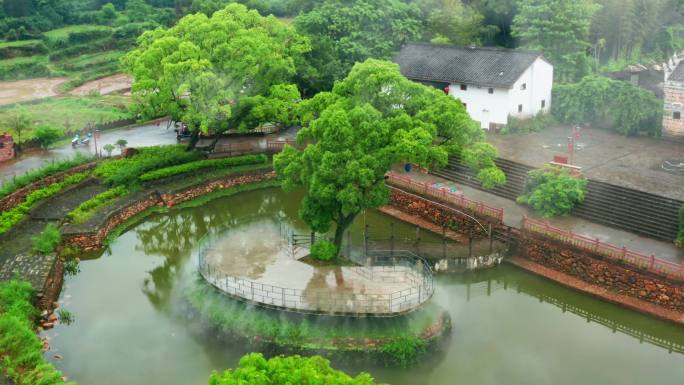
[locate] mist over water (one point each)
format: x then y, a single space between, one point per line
133 327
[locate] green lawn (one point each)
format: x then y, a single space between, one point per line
71 114
18 43
63 33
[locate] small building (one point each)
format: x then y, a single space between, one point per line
673 123
492 83
6 147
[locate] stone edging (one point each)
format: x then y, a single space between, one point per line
599 292
95 238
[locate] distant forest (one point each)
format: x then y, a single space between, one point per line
579 36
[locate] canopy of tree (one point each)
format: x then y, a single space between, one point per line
349 31
199 69
255 369
629 109
372 119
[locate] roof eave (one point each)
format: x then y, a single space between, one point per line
455 81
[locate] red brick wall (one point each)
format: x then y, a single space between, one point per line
673 94
6 148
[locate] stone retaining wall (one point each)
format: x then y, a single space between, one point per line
12 200
90 240
597 271
442 215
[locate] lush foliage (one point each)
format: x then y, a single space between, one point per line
480 159
20 347
47 135
121 172
346 32
560 29
553 191
47 241
371 120
255 369
42 172
323 250
196 70
86 209
680 236
13 216
24 67
456 22
203 165
276 107
629 109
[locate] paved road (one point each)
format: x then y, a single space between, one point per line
143 135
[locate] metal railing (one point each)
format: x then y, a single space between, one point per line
386 267
594 245
457 199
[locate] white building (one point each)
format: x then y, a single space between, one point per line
493 83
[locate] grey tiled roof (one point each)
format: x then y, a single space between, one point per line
678 74
483 66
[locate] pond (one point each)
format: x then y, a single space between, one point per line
509 327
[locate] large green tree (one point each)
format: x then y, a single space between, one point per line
344 32
197 70
452 21
372 119
560 29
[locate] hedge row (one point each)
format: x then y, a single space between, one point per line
11 217
20 347
40 173
122 172
86 209
202 165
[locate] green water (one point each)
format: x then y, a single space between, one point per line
510 327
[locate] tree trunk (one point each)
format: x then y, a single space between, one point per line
342 226
194 138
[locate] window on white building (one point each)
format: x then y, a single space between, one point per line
491 90
543 103
523 86
519 107
676 115
464 87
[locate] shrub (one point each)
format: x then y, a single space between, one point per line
11 217
126 171
47 135
20 347
404 351
47 241
553 191
71 267
281 370
680 237
323 250
203 164
534 124
86 209
40 173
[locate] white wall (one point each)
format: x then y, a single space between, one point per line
538 79
482 106
495 108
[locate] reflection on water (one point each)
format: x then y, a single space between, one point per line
510 327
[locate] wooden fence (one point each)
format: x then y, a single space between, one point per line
444 195
623 254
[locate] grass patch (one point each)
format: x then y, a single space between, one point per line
86 209
24 67
11 217
20 347
47 170
21 48
69 114
74 34
47 241
203 165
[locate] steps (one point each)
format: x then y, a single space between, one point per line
615 206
